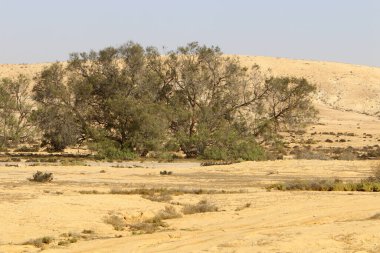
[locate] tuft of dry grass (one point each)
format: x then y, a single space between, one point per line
151 225
202 206
246 205
158 197
168 213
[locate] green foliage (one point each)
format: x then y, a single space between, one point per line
130 100
15 110
111 151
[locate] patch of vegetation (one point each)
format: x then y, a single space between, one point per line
40 242
116 221
160 197
27 149
147 226
166 173
202 206
73 162
246 205
327 185
212 163
41 177
311 155
151 225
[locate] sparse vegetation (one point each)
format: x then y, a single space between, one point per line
367 185
155 223
40 242
246 205
160 197
116 221
202 206
166 173
41 177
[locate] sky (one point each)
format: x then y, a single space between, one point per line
346 31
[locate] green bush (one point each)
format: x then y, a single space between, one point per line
111 151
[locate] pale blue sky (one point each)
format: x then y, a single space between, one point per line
333 30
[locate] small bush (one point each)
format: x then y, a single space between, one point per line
168 213
40 242
117 222
148 226
158 197
202 206
42 177
111 151
166 173
155 223
246 205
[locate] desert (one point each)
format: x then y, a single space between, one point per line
71 211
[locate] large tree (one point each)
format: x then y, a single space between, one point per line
196 98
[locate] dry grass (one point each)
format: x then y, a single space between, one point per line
160 191
40 242
168 213
202 206
246 205
158 197
327 185
151 225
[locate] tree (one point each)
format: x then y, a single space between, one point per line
56 115
15 111
120 101
138 100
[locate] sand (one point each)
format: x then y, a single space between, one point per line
275 222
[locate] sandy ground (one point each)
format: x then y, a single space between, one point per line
275 221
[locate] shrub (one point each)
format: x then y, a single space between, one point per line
117 222
326 185
42 177
161 197
202 206
111 151
40 242
166 173
168 213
